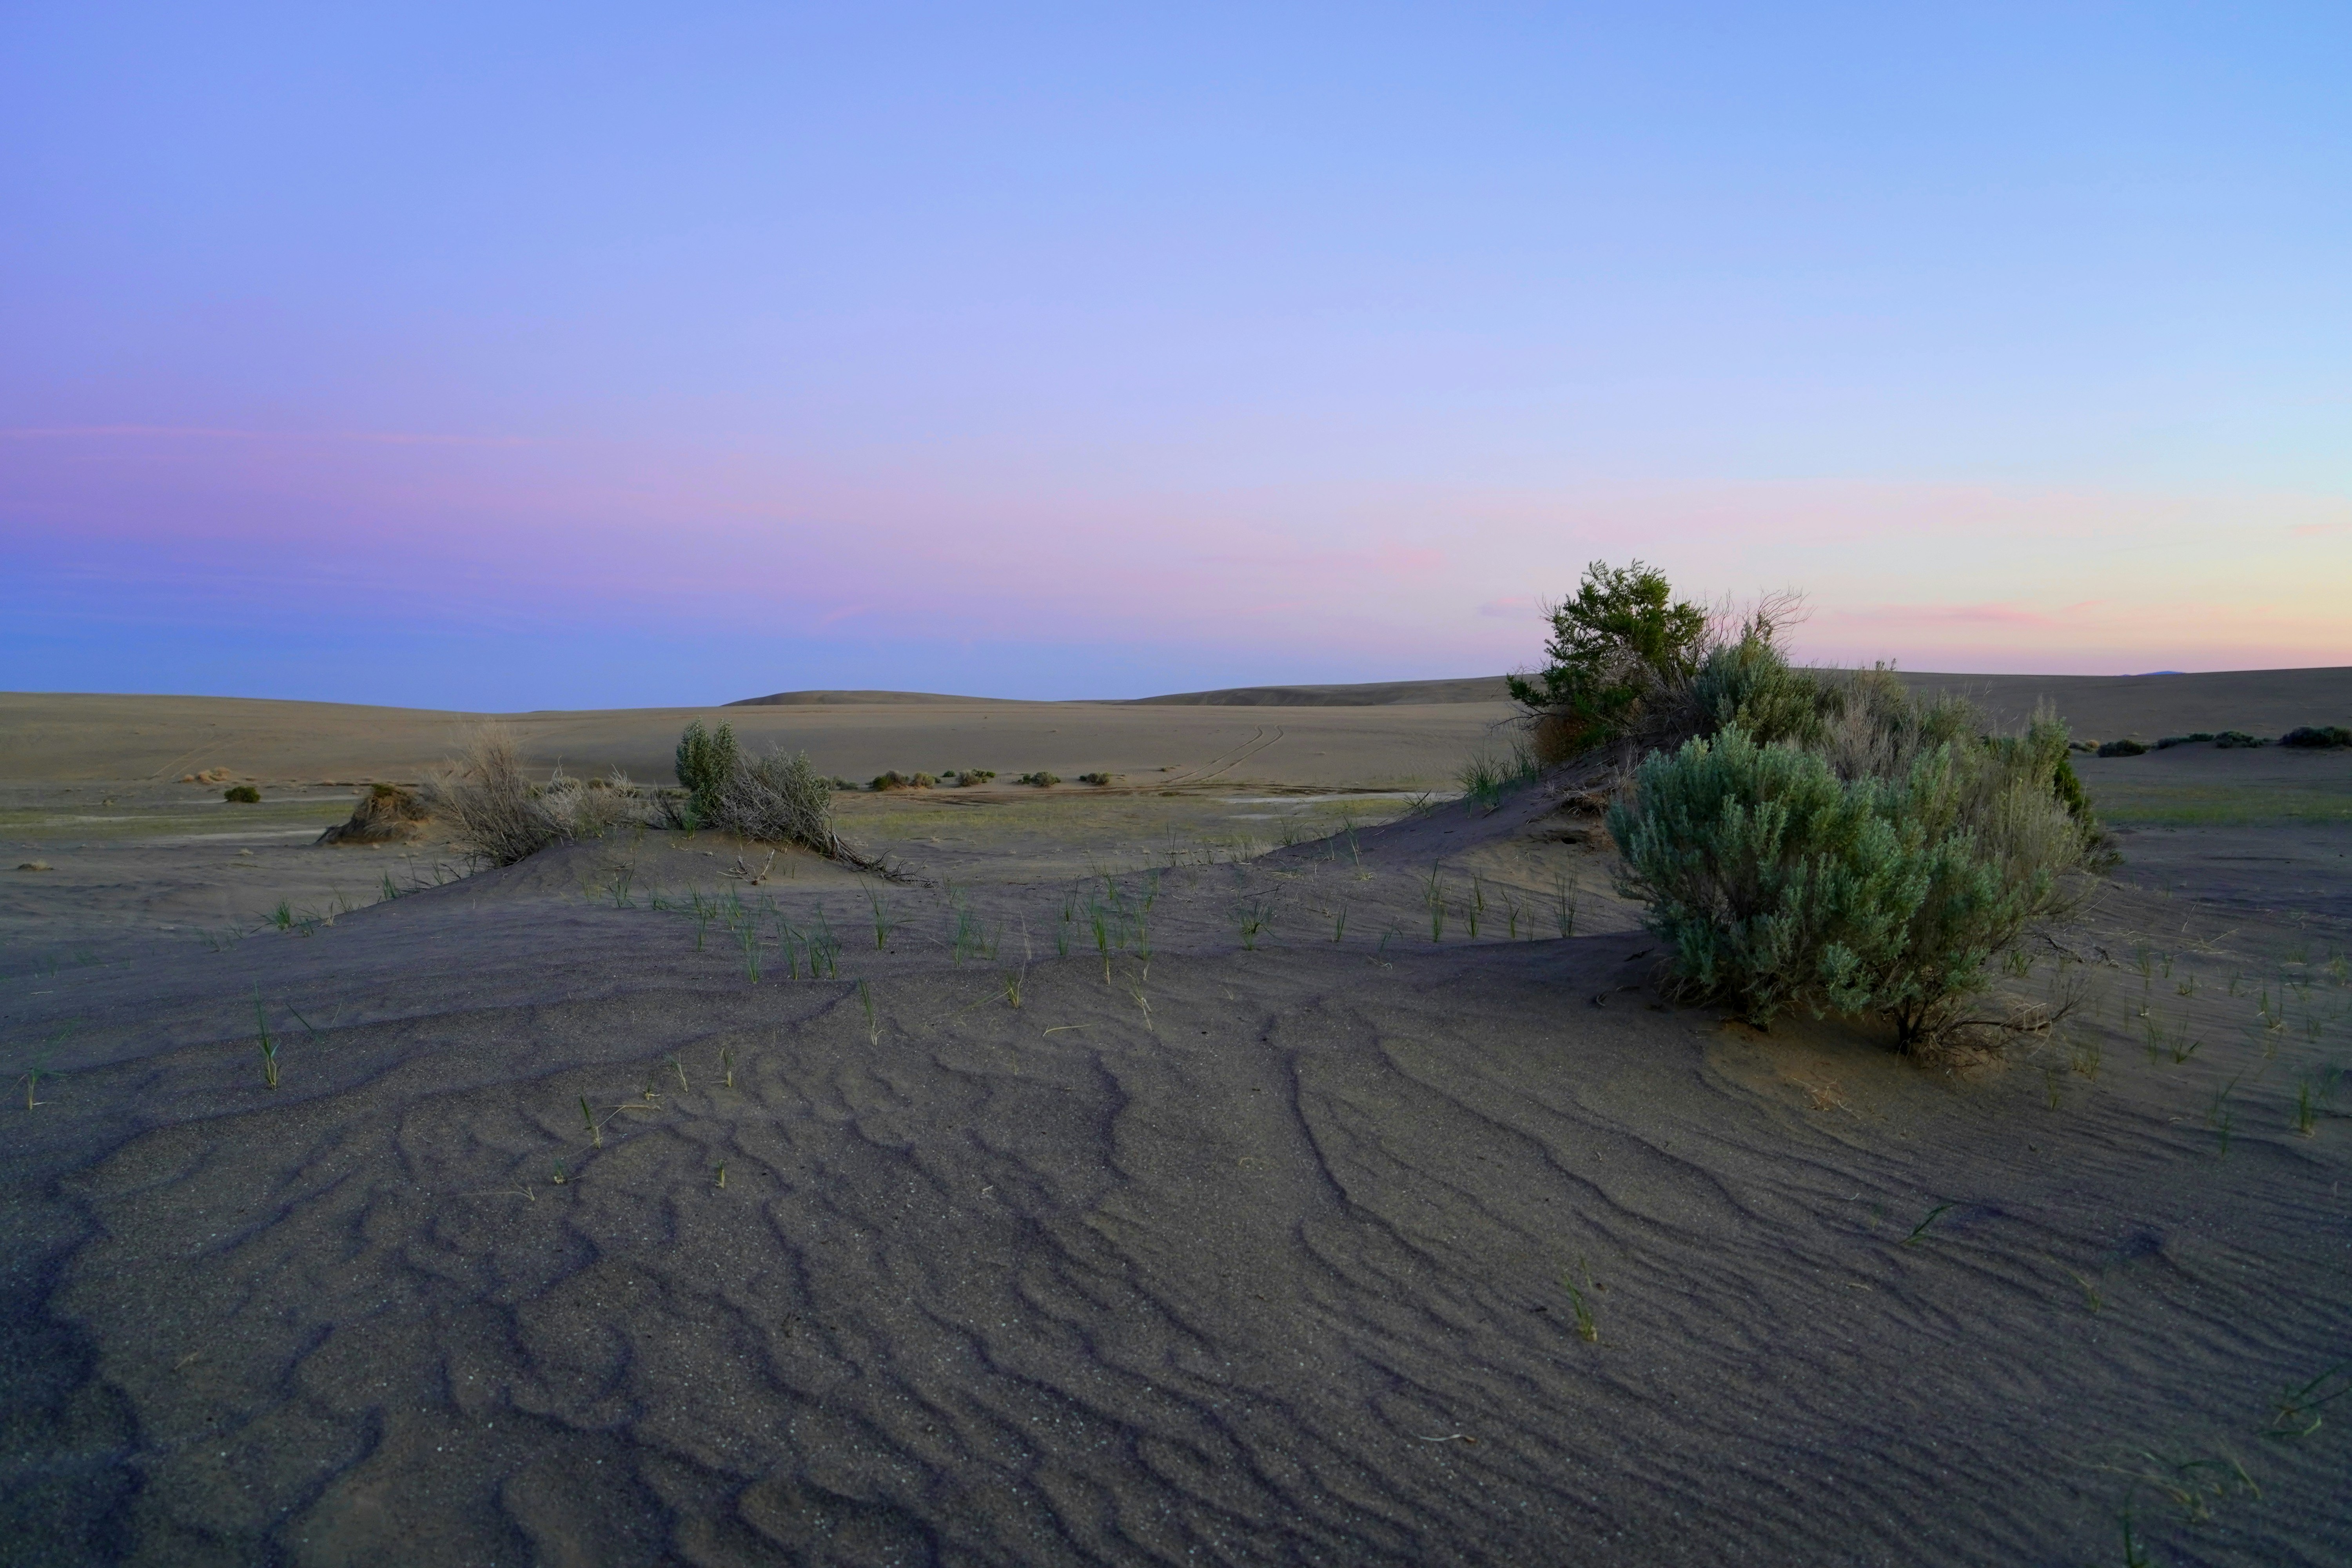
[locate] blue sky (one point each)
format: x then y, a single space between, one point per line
508 357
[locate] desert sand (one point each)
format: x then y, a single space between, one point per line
1244 1164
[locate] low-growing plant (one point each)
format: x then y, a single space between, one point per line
2193 737
241 794
268 1042
971 777
1098 780
2296 1413
1039 780
1488 774
2221 1116
2237 739
2317 736
1579 1302
2123 748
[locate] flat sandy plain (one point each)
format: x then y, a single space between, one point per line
1232 1164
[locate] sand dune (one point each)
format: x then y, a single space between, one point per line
1266 1227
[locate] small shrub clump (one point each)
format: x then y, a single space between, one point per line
490 805
779 798
2191 738
241 794
1487 776
1040 780
1097 779
2229 739
971 777
923 781
2317 736
2123 748
1632 667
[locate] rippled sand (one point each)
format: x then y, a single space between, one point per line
1286 1219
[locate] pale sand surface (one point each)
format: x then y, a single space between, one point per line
1218 1247
45 738
1396 733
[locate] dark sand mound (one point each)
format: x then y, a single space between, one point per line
1205 1252
851 699
386 813
1370 694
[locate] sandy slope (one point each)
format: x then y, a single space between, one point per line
1245 1236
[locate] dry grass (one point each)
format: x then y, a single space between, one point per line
496 812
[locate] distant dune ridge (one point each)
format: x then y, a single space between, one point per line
2264 700
1399 733
855 699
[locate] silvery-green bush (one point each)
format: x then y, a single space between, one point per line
1875 866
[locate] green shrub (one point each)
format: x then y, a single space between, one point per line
1778 880
2237 738
1040 779
2170 741
1748 685
922 780
973 776
705 762
1096 779
2125 748
1622 638
241 794
2317 736
892 779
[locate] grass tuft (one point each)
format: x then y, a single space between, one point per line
1921 1228
269 1044
1579 1303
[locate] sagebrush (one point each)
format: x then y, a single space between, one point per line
491 806
1873 858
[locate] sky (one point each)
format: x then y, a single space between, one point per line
503 357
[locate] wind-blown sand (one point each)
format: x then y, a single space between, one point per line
1248 1236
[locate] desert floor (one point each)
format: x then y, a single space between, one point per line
1248 1161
